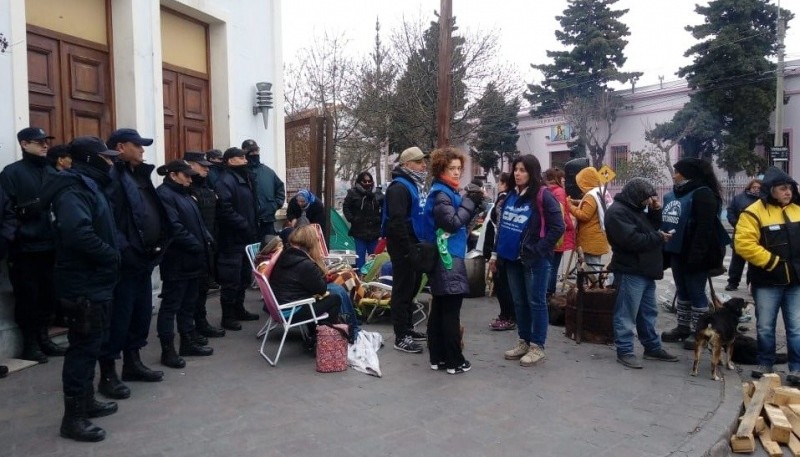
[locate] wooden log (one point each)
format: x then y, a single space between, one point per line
753 410
794 445
772 448
743 444
793 419
795 409
779 427
773 379
785 396
747 392
761 424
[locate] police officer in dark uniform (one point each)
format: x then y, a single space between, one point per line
31 254
214 157
8 225
236 215
206 200
142 232
87 269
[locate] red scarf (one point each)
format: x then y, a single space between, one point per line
450 182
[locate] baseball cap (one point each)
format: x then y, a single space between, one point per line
58 151
175 166
250 146
127 136
233 152
33 134
84 146
411 154
197 157
213 154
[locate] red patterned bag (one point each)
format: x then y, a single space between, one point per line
332 348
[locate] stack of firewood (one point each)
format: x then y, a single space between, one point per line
772 412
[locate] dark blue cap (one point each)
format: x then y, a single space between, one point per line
233 152
175 166
127 136
33 134
84 146
197 157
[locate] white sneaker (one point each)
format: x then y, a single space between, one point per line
517 351
534 356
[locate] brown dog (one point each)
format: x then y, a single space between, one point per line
718 330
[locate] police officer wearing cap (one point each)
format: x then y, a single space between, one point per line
184 265
87 269
236 215
206 200
269 189
142 232
32 253
59 157
214 157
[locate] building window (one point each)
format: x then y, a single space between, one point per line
619 156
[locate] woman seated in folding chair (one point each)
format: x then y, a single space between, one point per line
296 276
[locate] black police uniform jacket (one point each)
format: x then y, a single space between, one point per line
189 252
236 209
22 182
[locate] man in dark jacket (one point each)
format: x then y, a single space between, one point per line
268 187
236 216
8 225
87 269
206 200
362 208
184 265
31 254
738 204
142 235
403 225
636 262
214 157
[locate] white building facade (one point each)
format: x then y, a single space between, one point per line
180 71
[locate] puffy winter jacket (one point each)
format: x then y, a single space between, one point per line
295 276
362 208
189 252
634 238
589 235
22 182
236 209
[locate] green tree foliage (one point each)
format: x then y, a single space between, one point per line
497 134
576 83
732 83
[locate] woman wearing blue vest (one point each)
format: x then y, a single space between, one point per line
531 223
691 212
447 215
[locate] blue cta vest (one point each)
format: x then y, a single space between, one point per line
456 242
511 226
677 214
417 215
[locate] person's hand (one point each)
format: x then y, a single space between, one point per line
493 266
665 236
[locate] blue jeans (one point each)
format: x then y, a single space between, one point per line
770 299
528 286
635 308
363 248
690 285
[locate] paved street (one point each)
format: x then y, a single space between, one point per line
579 402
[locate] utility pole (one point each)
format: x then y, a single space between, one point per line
443 79
779 154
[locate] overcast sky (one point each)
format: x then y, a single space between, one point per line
526 28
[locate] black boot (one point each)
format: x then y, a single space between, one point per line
190 347
169 357
30 347
3 371
243 315
75 424
688 343
95 408
110 385
204 328
229 320
134 370
48 346
683 329
198 338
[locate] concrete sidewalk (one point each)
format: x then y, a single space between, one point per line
579 402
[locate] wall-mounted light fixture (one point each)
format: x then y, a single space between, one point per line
263 101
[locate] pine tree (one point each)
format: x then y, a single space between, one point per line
576 83
497 132
732 83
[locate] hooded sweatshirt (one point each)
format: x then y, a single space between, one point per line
588 212
768 235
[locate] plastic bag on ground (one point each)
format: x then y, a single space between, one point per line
362 355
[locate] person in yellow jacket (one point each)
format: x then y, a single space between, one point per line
590 213
767 236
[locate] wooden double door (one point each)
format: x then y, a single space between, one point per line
187 125
69 87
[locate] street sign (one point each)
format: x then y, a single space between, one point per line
779 153
606 174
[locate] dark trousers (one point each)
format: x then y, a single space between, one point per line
200 313
444 330
265 228
178 299
31 276
405 285
330 304
234 275
554 266
130 314
735 269
503 292
84 348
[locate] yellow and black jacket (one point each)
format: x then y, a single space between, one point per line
768 236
